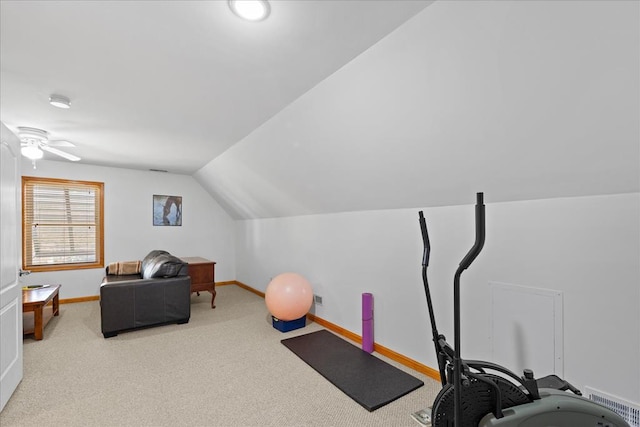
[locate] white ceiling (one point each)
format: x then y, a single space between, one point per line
334 106
172 84
520 99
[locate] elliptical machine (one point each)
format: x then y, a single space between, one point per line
482 394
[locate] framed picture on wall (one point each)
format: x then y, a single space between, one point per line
167 210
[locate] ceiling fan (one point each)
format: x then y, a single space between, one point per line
34 141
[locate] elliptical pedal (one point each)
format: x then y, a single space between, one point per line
557 383
423 417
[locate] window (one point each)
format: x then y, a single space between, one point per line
62 224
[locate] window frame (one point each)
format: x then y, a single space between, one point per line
99 246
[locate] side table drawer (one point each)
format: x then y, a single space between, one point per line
202 273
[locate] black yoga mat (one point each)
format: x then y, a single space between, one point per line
366 379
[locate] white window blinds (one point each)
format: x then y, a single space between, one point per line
62 223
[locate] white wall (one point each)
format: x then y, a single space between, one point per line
586 247
129 234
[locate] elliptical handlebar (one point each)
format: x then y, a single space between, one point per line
436 337
480 233
464 264
425 240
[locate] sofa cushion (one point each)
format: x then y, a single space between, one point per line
112 278
162 265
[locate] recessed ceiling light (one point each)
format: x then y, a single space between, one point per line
60 101
251 10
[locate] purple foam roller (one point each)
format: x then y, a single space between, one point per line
367 322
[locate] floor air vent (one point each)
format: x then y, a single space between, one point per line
627 410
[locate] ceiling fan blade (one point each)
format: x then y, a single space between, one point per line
60 143
60 153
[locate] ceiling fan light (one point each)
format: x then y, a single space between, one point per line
32 152
60 101
251 10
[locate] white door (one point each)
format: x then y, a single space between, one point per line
10 254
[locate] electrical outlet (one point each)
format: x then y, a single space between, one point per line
317 299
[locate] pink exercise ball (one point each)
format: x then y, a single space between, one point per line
289 296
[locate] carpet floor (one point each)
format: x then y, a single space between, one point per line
226 367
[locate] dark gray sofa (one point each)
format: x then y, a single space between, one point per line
159 294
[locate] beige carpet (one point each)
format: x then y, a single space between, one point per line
226 367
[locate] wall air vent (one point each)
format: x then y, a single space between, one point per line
158 170
628 411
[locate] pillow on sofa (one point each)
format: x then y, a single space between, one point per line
163 265
150 256
124 268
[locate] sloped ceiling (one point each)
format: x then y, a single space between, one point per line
521 100
332 106
172 84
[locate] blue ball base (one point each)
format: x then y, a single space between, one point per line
288 325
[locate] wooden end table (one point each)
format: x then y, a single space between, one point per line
202 272
39 305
